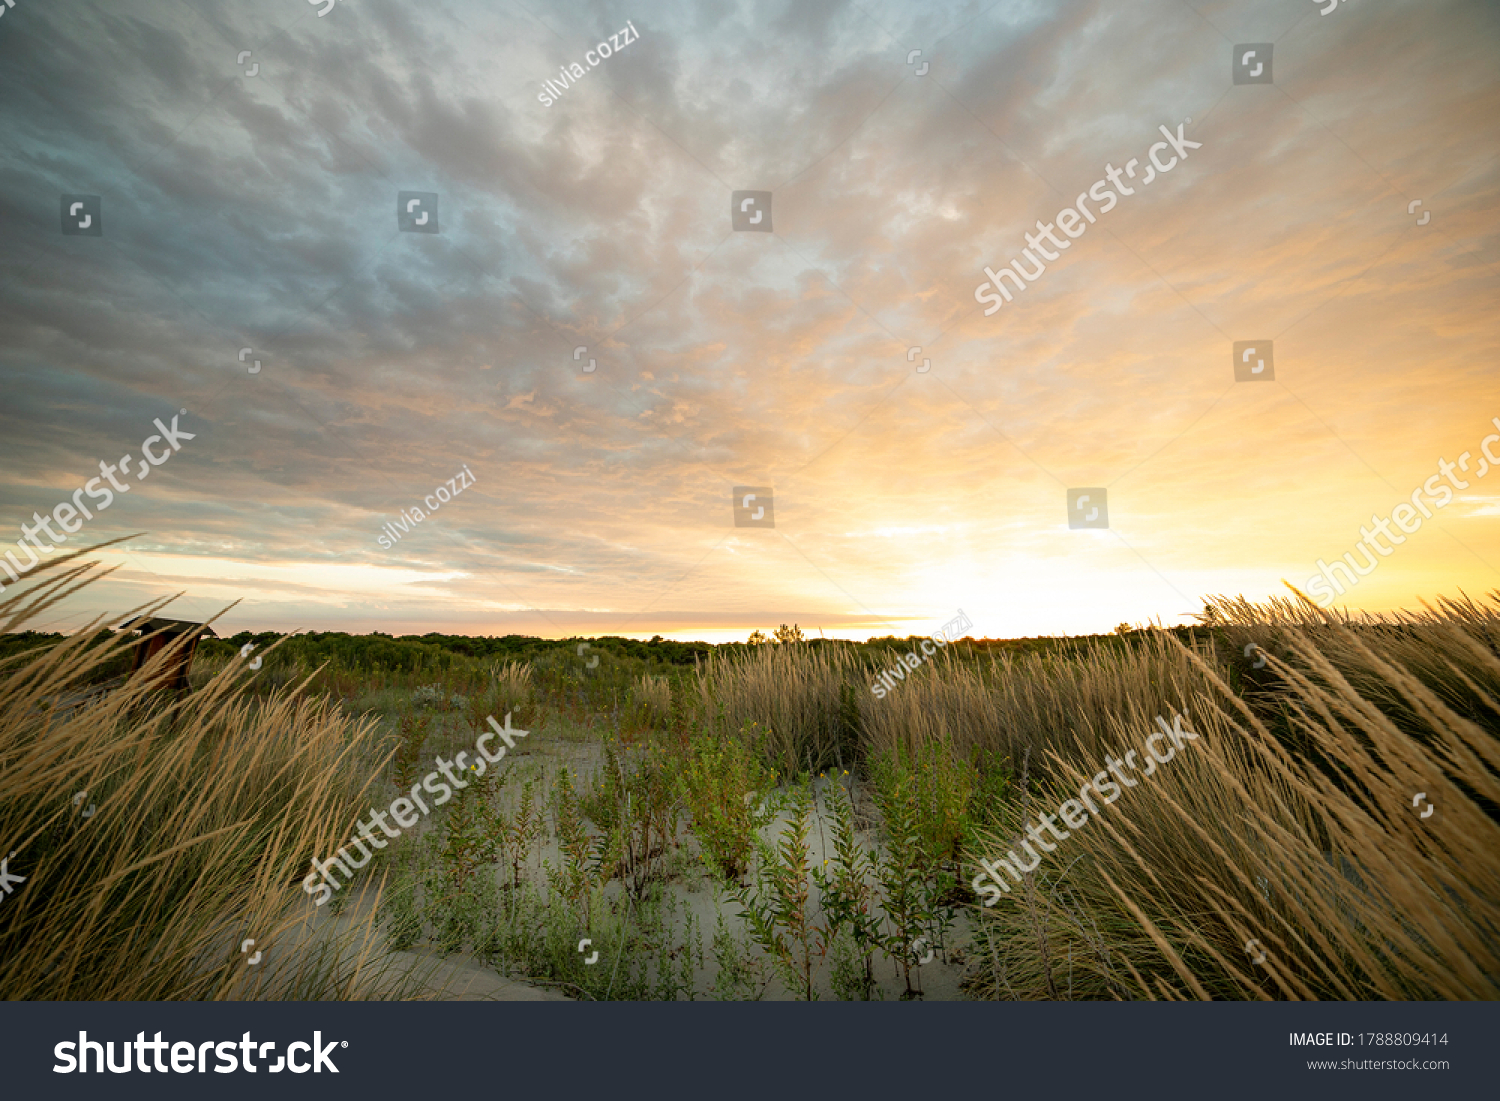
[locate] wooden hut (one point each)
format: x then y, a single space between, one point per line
156 634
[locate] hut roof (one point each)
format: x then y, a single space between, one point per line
151 624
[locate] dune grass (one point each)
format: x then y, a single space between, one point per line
1287 827
205 813
1277 855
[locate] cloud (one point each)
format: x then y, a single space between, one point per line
260 212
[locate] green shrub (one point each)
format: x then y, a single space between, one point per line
852 927
728 792
635 804
776 908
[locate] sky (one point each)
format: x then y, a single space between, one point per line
603 366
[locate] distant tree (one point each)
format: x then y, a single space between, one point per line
1123 629
789 634
759 638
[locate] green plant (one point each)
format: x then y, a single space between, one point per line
338 903
775 907
902 871
534 939
849 901
462 894
849 972
738 974
400 917
938 788
635 804
728 794
653 936
515 834
575 878
469 836
411 735
992 779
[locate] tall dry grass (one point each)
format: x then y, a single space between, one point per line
652 697
793 691
1065 702
1287 827
814 699
513 685
206 812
